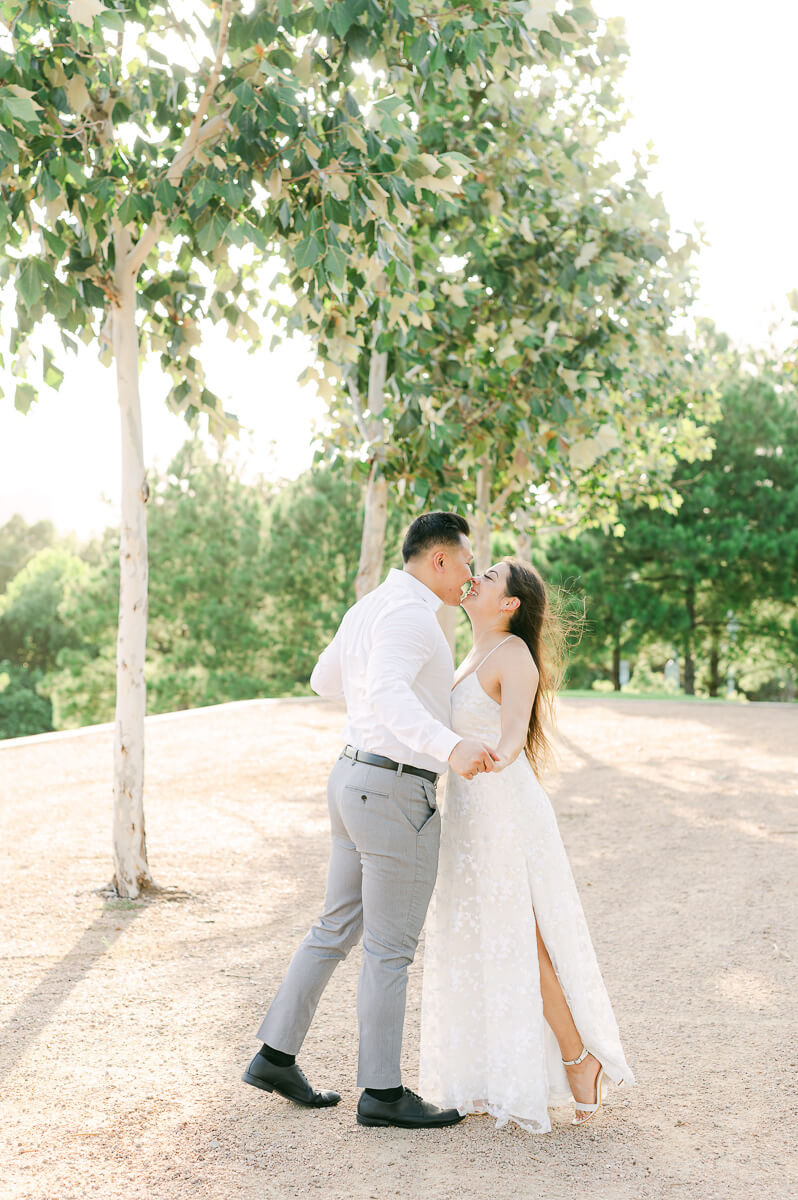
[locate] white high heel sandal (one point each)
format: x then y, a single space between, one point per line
601 1080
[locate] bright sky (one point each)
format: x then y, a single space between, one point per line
711 85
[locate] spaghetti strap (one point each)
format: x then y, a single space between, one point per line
487 656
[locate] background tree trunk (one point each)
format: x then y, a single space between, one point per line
714 664
689 664
131 871
372 544
616 663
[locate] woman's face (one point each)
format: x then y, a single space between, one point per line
488 594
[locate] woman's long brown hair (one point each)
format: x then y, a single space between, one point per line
546 626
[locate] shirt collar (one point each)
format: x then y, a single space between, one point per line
415 586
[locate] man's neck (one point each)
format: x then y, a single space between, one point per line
421 576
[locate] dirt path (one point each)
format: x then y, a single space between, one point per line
126 1027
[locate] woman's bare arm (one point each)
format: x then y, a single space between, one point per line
518 679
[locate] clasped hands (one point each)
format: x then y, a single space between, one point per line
470 758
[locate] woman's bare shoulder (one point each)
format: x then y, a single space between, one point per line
515 655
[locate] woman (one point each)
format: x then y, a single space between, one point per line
515 1014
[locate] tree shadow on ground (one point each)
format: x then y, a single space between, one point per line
39 1007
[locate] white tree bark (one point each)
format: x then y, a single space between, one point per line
523 545
482 515
372 542
372 431
130 845
131 871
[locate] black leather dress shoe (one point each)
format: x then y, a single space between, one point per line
288 1081
408 1112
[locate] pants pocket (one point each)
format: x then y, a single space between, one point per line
413 799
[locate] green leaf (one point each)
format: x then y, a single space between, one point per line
75 170
308 252
25 396
549 42
165 194
9 148
335 263
585 16
53 376
55 244
409 420
211 232
130 207
233 193
18 108
31 280
343 15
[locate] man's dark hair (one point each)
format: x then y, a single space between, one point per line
433 529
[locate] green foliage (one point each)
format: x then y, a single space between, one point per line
731 550
19 541
246 586
23 710
205 565
116 143
32 628
311 553
533 336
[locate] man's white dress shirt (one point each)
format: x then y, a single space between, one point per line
392 664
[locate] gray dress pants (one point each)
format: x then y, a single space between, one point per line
383 862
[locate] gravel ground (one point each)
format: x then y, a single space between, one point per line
127 1025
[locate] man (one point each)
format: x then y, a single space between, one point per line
391 663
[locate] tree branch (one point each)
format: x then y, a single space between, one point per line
357 410
197 134
504 495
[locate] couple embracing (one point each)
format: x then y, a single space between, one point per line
515 1015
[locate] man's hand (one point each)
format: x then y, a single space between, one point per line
469 758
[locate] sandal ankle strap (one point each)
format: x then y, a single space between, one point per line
573 1062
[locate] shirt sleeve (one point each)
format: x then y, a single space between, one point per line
326 679
404 641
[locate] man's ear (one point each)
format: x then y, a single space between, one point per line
439 560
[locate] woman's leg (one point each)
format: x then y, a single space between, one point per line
582 1078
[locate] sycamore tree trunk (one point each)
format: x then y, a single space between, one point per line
131 872
523 545
372 542
372 430
480 534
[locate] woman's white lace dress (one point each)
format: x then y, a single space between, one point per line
485 1046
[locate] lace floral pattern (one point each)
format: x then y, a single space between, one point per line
485 1045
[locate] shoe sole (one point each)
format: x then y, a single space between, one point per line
254 1081
378 1121
258 1083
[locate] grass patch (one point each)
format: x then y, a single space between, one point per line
122 904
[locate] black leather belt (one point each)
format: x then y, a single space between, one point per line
377 760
